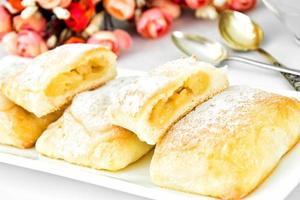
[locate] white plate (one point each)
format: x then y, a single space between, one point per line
135 178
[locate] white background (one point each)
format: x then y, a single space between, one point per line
19 183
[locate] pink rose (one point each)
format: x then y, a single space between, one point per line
179 2
168 6
194 4
25 43
154 23
9 42
106 39
6 24
49 4
241 5
123 38
34 23
120 9
114 41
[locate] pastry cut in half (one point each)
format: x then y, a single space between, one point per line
228 145
150 104
85 136
19 127
52 79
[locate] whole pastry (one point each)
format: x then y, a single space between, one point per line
228 145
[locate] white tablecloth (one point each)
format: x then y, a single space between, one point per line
19 183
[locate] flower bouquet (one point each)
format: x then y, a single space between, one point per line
31 27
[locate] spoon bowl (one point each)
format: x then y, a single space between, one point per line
206 50
239 31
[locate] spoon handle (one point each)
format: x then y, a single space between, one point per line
292 79
264 65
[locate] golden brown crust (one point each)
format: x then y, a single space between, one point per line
228 145
21 129
18 127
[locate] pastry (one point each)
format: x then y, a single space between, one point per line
228 145
85 136
18 127
150 104
10 65
53 78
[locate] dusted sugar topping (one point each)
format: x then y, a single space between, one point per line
220 115
84 122
172 68
10 65
46 65
91 108
136 93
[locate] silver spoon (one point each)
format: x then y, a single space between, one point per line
213 52
242 34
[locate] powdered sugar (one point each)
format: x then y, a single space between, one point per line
10 65
83 123
91 108
136 93
225 111
133 96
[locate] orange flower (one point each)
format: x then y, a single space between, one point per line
81 13
16 5
168 6
154 23
120 9
194 4
74 39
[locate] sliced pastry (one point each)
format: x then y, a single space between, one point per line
85 136
53 78
18 127
150 104
228 145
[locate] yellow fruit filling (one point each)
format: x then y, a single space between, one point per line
165 108
71 80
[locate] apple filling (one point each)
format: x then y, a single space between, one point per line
71 80
165 108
